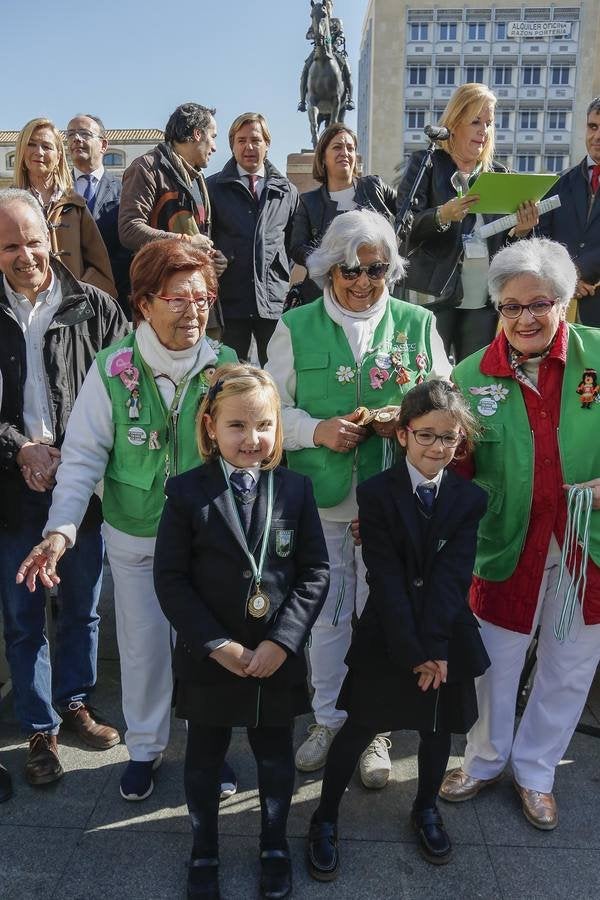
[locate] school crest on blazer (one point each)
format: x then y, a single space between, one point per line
284 541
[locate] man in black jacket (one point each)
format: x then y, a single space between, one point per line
51 327
252 205
576 223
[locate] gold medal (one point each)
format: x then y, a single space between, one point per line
258 604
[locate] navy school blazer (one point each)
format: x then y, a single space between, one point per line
417 607
203 579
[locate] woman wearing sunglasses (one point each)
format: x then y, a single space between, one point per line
355 347
134 425
538 559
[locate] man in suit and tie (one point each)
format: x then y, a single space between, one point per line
576 223
86 137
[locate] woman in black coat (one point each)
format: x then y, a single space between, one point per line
447 263
416 648
334 166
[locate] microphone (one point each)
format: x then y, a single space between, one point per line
436 133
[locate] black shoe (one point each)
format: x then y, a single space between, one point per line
203 879
434 843
275 874
323 856
228 781
5 784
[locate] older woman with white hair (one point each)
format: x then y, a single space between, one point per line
342 365
534 390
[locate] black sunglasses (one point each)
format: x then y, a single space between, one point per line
375 271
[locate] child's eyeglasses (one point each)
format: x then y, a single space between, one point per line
180 304
429 438
374 272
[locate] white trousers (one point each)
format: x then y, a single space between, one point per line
144 639
331 633
561 683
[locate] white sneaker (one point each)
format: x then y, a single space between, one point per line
312 754
375 765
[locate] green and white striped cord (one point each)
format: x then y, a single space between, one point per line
577 531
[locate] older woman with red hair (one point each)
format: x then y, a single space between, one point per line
133 425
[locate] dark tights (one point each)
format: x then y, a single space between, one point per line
352 739
205 752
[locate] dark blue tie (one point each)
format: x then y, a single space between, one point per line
87 194
426 495
244 490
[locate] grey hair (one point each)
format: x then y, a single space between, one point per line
10 196
545 259
594 106
343 238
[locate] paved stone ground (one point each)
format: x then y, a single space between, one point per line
78 840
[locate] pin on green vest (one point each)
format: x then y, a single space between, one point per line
151 442
330 383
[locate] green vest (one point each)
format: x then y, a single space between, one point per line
504 453
330 383
135 475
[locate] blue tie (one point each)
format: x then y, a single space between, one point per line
426 494
244 490
87 194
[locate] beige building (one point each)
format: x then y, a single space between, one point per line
540 59
124 145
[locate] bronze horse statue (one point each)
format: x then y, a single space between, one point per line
326 93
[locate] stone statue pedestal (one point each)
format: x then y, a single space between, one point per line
299 170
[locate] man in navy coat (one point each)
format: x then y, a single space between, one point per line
86 137
576 223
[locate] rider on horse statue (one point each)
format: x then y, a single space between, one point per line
339 48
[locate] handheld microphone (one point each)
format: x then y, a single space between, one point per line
436 133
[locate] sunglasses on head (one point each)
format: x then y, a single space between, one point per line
375 271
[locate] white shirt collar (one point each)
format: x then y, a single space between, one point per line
47 296
416 478
97 173
243 174
255 471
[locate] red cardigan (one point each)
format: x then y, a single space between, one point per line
512 603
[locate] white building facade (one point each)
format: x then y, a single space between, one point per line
540 60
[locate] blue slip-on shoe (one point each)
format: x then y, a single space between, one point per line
228 781
136 781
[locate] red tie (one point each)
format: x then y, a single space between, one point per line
595 178
252 179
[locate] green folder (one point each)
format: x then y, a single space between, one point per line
501 193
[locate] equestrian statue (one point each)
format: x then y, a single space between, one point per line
326 81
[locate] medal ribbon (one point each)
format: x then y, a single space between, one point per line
256 569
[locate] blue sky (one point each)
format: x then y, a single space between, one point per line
133 61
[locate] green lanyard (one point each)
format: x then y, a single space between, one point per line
256 569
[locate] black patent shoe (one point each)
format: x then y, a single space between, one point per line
323 856
275 874
5 785
434 843
203 879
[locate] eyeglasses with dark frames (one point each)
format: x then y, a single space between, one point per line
429 438
538 308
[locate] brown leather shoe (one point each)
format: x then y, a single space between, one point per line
538 808
83 720
458 786
43 765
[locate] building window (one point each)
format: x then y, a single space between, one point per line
114 159
417 75
526 162
557 119
10 160
476 31
500 31
418 31
474 73
446 75
447 31
502 75
415 118
555 162
502 118
531 74
559 75
529 119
